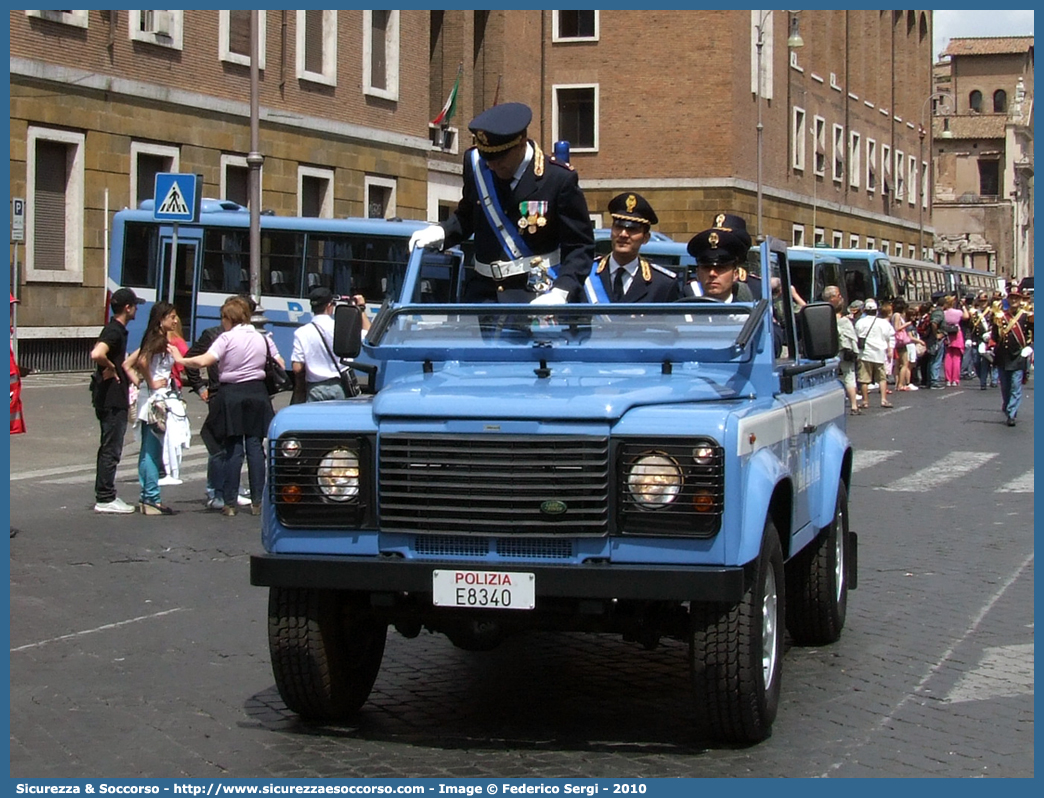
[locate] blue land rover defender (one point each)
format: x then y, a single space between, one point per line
657 471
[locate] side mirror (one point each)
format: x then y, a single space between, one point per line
347 339
817 330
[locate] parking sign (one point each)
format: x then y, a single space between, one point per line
17 219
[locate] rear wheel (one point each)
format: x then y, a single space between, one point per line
817 582
736 654
325 656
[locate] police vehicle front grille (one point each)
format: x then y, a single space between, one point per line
439 546
494 484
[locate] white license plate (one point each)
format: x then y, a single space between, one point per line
490 590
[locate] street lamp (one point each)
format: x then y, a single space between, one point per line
794 41
920 163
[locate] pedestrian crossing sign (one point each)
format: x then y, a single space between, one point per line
177 197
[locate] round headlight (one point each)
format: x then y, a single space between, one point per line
703 455
654 480
290 447
338 475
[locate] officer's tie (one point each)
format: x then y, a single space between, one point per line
618 281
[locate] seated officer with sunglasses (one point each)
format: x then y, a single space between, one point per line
720 253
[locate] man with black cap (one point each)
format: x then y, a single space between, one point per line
534 241
720 251
318 373
623 276
109 394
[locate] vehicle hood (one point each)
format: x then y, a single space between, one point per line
570 392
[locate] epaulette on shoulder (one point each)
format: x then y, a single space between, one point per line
563 164
664 270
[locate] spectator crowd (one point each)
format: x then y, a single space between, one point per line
890 347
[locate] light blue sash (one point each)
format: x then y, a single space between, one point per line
506 232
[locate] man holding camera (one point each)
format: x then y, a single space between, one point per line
318 373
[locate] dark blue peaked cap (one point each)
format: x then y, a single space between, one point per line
727 240
501 127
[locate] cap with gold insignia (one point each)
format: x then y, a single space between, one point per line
631 210
725 241
500 128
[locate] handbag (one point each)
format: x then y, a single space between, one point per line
157 412
349 384
276 378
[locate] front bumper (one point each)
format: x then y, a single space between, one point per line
589 581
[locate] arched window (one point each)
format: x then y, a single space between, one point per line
1000 101
975 101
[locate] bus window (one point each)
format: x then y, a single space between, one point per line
883 281
856 282
281 263
226 267
139 256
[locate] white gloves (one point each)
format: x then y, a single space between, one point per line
430 237
1027 351
556 296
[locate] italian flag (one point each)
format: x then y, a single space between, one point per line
450 108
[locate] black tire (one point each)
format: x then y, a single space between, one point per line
324 658
736 654
817 582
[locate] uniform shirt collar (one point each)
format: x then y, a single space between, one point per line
630 268
526 160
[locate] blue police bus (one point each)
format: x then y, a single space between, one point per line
349 256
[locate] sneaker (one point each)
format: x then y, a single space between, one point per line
117 505
155 508
169 481
243 501
229 512
912 388
255 509
215 504
873 386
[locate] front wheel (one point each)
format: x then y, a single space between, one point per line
817 582
736 654
325 653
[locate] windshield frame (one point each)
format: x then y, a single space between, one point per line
648 333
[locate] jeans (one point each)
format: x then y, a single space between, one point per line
215 463
1011 391
150 455
935 372
255 456
113 422
982 367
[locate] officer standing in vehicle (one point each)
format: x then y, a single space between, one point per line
534 241
720 252
623 276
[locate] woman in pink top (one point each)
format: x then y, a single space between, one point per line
242 410
953 315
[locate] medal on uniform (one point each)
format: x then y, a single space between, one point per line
533 215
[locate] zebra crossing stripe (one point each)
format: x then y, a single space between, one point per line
1023 484
932 477
1004 672
868 458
